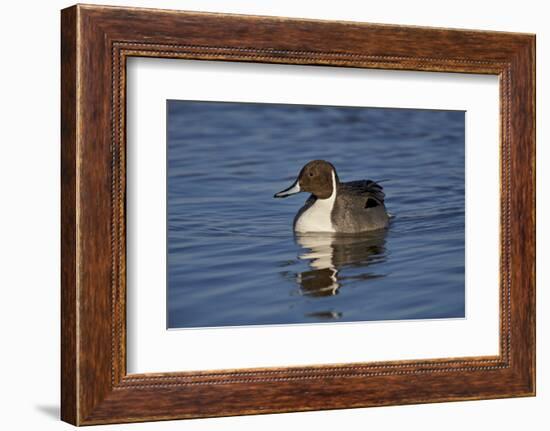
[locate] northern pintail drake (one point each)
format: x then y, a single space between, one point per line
355 206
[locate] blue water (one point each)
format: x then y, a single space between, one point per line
232 256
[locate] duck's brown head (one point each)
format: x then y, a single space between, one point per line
317 177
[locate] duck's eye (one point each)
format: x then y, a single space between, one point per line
311 174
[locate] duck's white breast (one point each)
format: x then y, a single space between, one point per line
317 218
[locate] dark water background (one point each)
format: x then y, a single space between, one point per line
232 255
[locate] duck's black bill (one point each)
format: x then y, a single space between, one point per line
292 190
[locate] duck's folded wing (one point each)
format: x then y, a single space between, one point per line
370 192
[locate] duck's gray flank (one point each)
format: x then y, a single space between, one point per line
359 207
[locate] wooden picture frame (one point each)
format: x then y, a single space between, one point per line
95 43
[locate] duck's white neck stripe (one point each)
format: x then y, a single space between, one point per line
333 195
317 218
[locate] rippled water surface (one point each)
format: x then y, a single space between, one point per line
232 256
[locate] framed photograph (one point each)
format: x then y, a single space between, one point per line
264 214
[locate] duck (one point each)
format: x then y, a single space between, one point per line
334 206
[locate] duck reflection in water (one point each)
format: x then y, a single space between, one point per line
327 254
